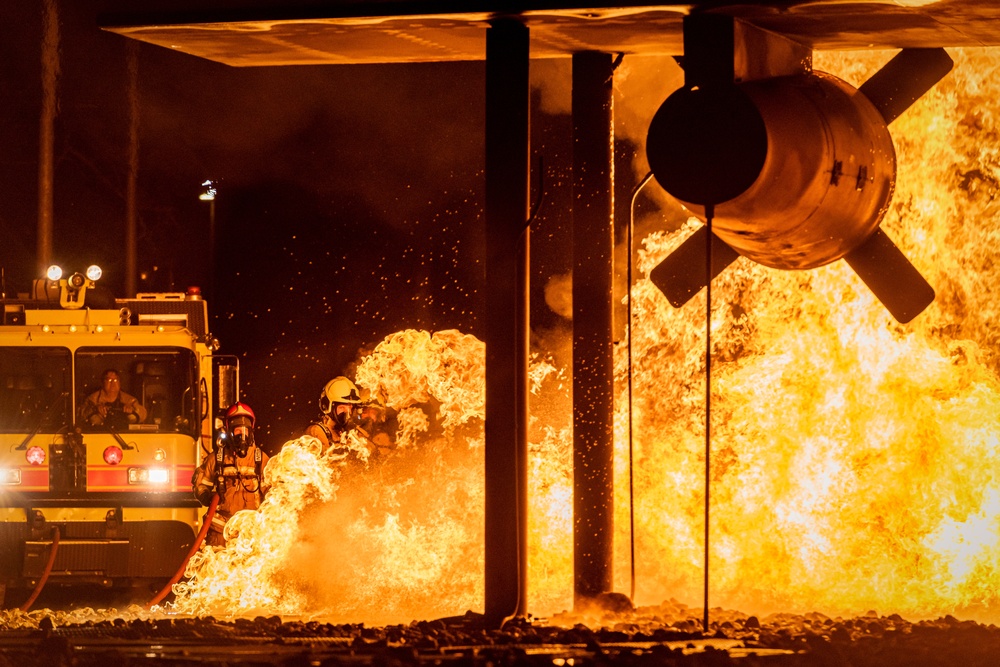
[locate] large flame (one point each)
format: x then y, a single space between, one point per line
853 460
356 539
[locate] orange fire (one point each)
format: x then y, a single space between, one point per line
854 460
366 540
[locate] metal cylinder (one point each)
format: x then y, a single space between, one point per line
821 188
826 181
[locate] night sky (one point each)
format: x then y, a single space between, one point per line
350 198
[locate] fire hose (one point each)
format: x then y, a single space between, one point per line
194 548
45 574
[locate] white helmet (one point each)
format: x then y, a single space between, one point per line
338 390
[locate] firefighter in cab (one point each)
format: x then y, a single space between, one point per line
110 406
338 402
234 472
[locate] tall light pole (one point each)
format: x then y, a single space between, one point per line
208 194
131 186
46 143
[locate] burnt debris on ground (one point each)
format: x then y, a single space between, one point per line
647 636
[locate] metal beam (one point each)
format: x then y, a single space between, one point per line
593 367
507 178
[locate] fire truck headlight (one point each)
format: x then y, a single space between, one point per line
94 272
54 272
35 455
10 476
113 455
148 476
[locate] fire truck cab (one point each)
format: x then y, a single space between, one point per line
107 503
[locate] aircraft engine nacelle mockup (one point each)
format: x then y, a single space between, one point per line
795 172
824 161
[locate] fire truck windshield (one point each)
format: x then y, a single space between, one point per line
147 389
34 385
150 389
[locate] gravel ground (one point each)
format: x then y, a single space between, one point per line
669 634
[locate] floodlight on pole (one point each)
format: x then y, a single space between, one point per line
209 192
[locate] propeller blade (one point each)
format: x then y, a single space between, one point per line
682 274
891 277
910 74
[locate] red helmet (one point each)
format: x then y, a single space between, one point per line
237 410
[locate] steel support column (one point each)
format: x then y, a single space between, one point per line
593 368
507 186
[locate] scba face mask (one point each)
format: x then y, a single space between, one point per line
241 438
341 414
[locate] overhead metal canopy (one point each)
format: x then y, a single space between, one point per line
350 32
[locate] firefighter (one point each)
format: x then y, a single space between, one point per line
110 406
375 423
234 471
338 403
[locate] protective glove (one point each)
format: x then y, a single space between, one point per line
204 494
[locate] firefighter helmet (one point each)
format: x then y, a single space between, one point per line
239 409
338 390
239 427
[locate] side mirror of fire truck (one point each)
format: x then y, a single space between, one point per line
203 386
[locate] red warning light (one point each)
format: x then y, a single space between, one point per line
35 455
113 455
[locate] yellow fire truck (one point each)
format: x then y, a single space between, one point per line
109 504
